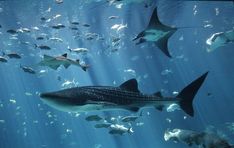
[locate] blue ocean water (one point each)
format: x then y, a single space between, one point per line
27 122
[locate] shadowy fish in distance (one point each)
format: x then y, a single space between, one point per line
12 31
78 50
43 47
59 1
74 23
93 118
28 69
117 129
58 26
201 139
56 62
3 59
220 39
103 125
131 118
40 38
12 55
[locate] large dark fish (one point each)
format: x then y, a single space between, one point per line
126 96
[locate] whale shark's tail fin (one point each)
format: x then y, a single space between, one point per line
187 95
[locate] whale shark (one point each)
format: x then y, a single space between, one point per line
126 96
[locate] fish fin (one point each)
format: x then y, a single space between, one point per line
187 95
66 65
47 57
154 20
55 67
84 68
162 43
130 130
141 40
156 23
64 55
142 34
130 85
158 94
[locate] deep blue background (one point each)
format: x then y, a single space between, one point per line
20 129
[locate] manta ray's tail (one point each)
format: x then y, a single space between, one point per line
187 95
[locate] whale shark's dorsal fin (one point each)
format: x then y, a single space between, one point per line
130 85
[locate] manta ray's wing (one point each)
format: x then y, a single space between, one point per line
162 44
156 25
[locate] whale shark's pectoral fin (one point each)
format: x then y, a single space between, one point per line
130 85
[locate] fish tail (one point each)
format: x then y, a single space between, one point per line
85 67
68 47
187 95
